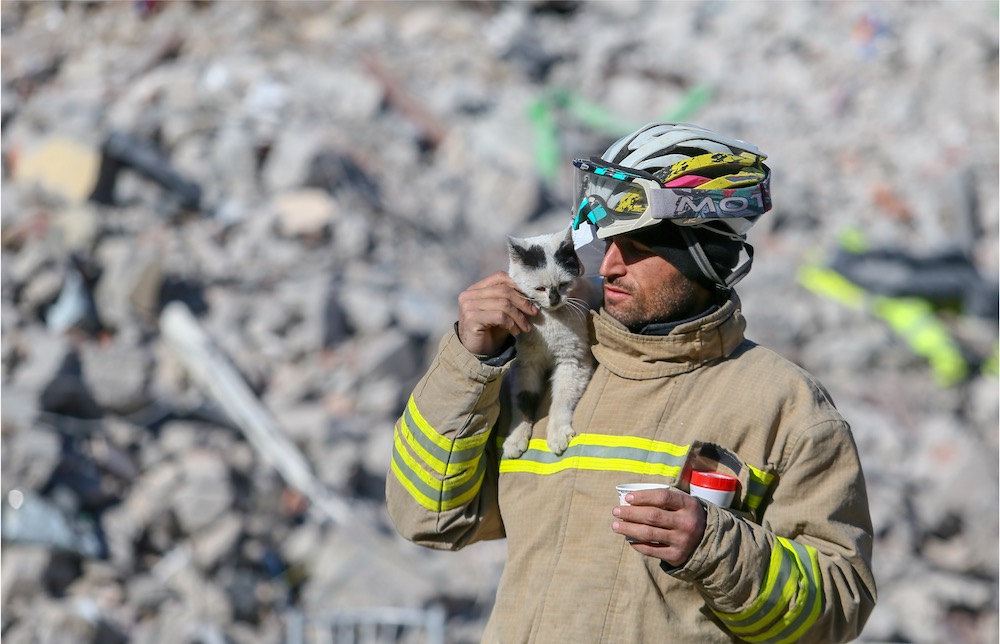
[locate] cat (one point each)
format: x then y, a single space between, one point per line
548 271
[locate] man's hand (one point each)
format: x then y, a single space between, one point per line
667 524
491 310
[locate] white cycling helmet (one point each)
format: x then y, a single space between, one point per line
696 179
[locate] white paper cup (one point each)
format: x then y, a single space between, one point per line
625 488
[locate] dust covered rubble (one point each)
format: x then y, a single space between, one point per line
359 164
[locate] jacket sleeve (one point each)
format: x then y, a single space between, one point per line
805 573
441 489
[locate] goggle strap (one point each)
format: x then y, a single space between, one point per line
598 162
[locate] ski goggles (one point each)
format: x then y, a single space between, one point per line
608 194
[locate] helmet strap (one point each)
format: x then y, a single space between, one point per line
741 271
701 259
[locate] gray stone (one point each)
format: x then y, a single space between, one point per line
24 571
305 213
211 544
288 161
121 533
153 493
117 375
42 289
41 357
205 492
30 456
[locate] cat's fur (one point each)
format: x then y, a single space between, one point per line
548 271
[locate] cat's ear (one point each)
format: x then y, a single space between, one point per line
518 251
567 249
567 258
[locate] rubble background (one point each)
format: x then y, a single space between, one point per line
342 171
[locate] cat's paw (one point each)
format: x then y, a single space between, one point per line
515 445
559 438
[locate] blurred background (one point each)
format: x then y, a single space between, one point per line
234 232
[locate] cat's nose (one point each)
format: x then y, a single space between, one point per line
553 297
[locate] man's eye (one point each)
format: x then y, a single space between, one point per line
630 248
636 249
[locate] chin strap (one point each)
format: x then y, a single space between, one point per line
700 258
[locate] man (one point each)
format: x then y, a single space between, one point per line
677 389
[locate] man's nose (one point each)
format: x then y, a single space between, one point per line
613 264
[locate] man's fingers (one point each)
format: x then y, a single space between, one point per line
666 524
499 316
661 498
494 312
490 311
497 291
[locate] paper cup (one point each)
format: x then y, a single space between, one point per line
625 488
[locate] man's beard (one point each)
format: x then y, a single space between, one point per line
680 300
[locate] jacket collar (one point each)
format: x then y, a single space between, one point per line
686 347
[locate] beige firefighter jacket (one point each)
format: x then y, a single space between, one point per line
791 561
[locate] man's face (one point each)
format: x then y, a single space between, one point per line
641 287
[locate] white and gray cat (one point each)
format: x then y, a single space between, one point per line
548 271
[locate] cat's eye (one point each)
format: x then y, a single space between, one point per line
540 289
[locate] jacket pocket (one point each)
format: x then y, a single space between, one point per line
754 483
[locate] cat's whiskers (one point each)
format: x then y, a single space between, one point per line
578 306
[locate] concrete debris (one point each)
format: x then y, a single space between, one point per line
233 234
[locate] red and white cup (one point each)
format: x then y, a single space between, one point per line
715 487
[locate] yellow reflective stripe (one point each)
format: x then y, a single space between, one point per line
789 602
765 478
805 606
635 442
778 590
434 494
807 619
589 463
461 475
424 500
760 481
433 461
471 442
440 474
414 466
601 452
428 502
